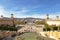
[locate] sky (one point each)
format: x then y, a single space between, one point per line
30 8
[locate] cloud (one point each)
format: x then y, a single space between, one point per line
2 10
35 15
5 13
23 12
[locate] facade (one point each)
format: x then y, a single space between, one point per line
53 21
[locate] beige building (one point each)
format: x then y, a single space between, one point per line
6 21
53 21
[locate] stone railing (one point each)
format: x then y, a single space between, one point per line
51 34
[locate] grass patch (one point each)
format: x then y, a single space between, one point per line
29 36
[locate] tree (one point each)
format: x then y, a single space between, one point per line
58 27
11 28
44 29
55 28
40 22
48 29
46 25
19 22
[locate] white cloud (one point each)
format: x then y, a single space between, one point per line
22 13
16 13
1 10
33 15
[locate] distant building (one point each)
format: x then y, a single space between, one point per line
6 21
53 21
11 21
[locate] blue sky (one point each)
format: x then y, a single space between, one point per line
30 8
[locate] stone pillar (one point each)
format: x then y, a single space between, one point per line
12 16
1 16
57 17
51 33
47 16
12 19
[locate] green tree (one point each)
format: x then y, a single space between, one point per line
55 28
19 22
46 25
40 22
58 27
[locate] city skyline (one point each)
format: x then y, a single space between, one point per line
30 8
